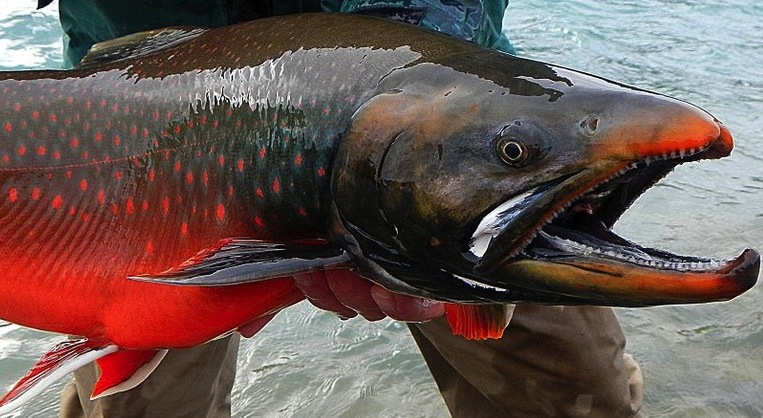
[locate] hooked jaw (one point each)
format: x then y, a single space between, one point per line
566 245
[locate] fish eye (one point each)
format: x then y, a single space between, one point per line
511 151
521 143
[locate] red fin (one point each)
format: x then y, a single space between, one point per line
63 359
478 322
125 369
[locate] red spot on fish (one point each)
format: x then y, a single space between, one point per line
118 175
21 150
276 186
83 185
321 171
13 194
184 228
240 165
298 159
221 160
115 108
53 118
58 201
151 174
149 248
129 206
57 155
302 212
205 177
259 222
189 177
8 127
85 155
103 103
35 115
156 115
98 136
6 158
17 107
72 211
36 193
114 208
75 142
215 123
41 150
230 191
85 217
117 140
144 205
177 166
144 134
203 119
101 197
263 152
220 212
166 205
133 130
259 192
176 129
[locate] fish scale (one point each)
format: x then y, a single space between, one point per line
142 168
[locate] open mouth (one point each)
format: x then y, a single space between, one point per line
580 234
584 228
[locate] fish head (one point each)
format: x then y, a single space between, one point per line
486 182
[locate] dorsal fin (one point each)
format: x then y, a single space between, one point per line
138 44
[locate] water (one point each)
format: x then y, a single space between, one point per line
698 361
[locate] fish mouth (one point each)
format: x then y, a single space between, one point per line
568 246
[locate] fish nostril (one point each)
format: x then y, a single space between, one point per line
590 124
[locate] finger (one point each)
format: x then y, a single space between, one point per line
317 291
354 292
406 308
254 326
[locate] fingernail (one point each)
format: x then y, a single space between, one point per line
384 300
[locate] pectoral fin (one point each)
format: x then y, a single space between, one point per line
236 261
479 322
63 359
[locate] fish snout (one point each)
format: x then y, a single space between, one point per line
657 127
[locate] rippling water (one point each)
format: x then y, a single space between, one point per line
698 361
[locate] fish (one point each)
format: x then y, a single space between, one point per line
166 191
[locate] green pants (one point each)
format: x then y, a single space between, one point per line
552 361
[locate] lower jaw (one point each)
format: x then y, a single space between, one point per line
612 283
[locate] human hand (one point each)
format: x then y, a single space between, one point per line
348 294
